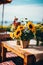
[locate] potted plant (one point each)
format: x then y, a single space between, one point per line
24 33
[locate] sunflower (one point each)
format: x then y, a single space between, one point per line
11 35
17 33
21 27
31 26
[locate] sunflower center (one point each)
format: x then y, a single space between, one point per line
30 26
18 32
21 27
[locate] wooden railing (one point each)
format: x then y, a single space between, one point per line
4 37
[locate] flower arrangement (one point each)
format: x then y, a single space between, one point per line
24 32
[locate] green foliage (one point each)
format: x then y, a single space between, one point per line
27 35
39 34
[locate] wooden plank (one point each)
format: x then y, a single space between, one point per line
13 49
26 53
4 37
3 54
17 50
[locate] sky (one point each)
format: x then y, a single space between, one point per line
32 9
22 2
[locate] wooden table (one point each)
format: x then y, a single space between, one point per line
30 55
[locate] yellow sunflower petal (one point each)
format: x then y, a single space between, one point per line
21 27
11 35
31 26
17 33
